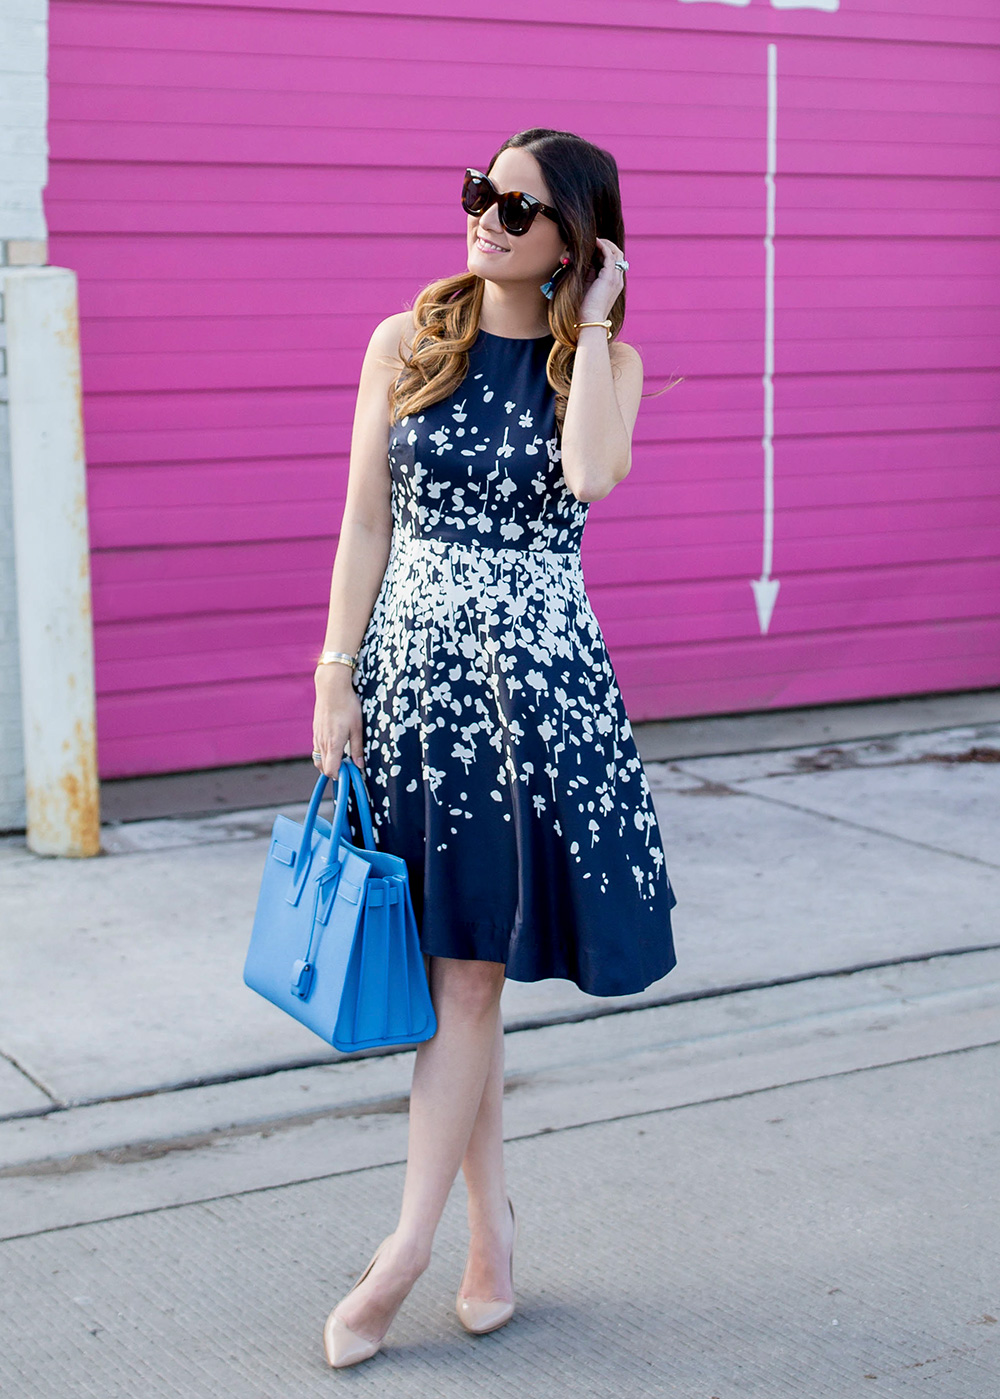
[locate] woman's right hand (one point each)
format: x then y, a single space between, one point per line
336 719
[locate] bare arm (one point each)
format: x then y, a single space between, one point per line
604 395
362 549
601 411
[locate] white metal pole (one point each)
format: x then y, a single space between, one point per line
52 560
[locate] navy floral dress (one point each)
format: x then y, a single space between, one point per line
499 758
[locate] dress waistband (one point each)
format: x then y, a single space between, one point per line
402 538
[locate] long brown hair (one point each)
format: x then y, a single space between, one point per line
583 184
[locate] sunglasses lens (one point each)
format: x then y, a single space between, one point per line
476 194
516 214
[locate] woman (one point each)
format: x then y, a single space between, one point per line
468 661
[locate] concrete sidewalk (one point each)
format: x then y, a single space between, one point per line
123 974
771 1175
817 1241
788 1192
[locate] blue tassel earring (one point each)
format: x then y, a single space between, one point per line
548 288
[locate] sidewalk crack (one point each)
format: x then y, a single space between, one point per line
56 1102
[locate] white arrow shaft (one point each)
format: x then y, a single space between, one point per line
769 225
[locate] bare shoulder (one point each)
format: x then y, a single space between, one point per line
391 338
626 358
626 370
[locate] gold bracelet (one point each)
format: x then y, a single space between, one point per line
605 324
343 657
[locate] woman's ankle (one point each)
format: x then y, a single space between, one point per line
411 1254
489 1217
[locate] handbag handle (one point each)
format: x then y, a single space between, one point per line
349 776
350 770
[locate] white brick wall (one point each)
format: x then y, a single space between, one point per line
23 175
12 812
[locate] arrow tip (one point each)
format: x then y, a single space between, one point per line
765 593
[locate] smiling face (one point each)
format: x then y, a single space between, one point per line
496 255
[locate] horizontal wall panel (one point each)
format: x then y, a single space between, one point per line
881 680
122 427
785 675
273 516
205 650
635 23
172 116
269 521
890 259
966 367
176 582
245 190
155 712
964 465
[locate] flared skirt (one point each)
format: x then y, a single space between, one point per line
501 765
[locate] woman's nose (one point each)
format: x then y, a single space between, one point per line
490 221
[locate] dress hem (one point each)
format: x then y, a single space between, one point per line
428 946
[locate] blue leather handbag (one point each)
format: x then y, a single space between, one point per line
334 939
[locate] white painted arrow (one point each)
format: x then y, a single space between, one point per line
765 588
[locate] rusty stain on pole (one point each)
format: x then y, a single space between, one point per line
52 552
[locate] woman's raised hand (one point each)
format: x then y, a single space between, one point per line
606 287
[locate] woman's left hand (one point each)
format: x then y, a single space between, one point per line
606 286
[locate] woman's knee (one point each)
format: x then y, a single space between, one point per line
470 988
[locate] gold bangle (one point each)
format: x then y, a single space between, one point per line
605 324
344 657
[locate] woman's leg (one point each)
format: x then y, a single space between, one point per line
491 1229
449 1077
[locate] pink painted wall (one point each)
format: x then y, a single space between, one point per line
218 178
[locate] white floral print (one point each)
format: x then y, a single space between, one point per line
499 756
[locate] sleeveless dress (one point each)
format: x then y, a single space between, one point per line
498 755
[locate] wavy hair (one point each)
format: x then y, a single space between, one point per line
583 185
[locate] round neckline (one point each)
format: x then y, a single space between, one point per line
517 339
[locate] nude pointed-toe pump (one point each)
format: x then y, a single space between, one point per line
342 1345
480 1316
